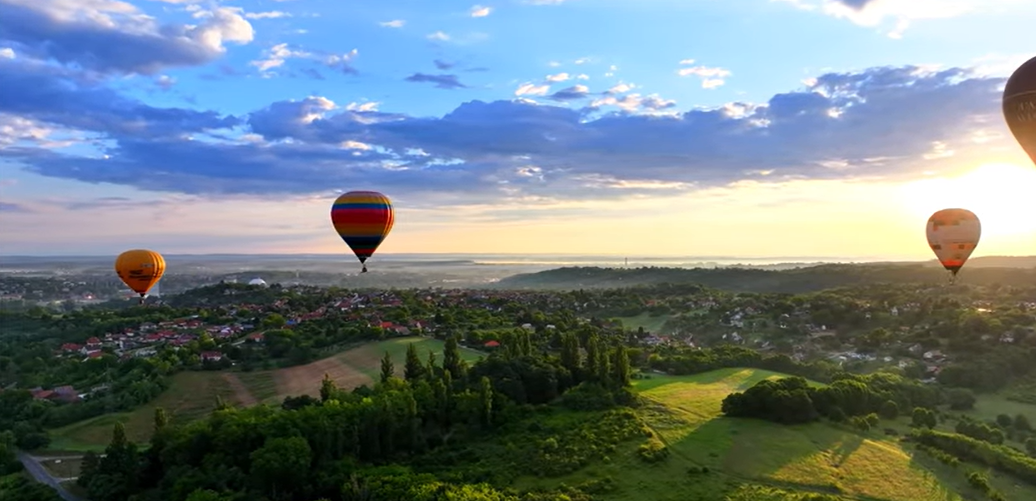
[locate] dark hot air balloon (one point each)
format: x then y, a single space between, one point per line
140 269
1020 106
363 219
953 235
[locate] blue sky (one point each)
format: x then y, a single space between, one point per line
828 127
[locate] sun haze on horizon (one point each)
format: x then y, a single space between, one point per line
649 128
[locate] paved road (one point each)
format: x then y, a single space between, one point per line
33 466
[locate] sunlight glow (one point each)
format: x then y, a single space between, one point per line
1001 195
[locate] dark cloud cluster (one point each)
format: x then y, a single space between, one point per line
111 36
440 81
881 121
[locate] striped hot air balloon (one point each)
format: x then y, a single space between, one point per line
363 219
953 235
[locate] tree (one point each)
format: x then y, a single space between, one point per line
961 399
1021 423
621 367
889 410
413 368
328 388
570 353
592 356
387 369
451 361
485 395
281 466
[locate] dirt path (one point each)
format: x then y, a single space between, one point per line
241 393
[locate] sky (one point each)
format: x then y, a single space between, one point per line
748 128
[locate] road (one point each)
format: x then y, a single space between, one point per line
33 466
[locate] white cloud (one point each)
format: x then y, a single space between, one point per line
267 15
395 23
276 56
165 82
711 77
439 36
554 64
895 16
531 89
362 107
582 76
621 88
480 11
7 53
560 77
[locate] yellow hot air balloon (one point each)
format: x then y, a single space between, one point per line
140 269
953 235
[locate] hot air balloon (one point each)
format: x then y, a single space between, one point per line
953 235
363 219
140 269
1020 106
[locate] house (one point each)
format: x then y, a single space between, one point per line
71 347
211 356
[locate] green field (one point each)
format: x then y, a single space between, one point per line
192 395
649 323
684 412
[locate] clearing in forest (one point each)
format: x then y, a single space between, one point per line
305 379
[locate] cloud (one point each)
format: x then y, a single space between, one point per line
10 207
440 81
480 11
877 123
438 36
711 77
560 77
571 93
267 15
531 89
894 16
114 36
7 53
443 65
276 56
395 23
55 96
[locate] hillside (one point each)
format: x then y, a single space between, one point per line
799 280
742 455
193 395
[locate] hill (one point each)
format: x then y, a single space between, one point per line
192 395
746 458
798 280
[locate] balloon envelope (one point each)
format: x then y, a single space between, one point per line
363 219
1019 105
140 269
953 235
